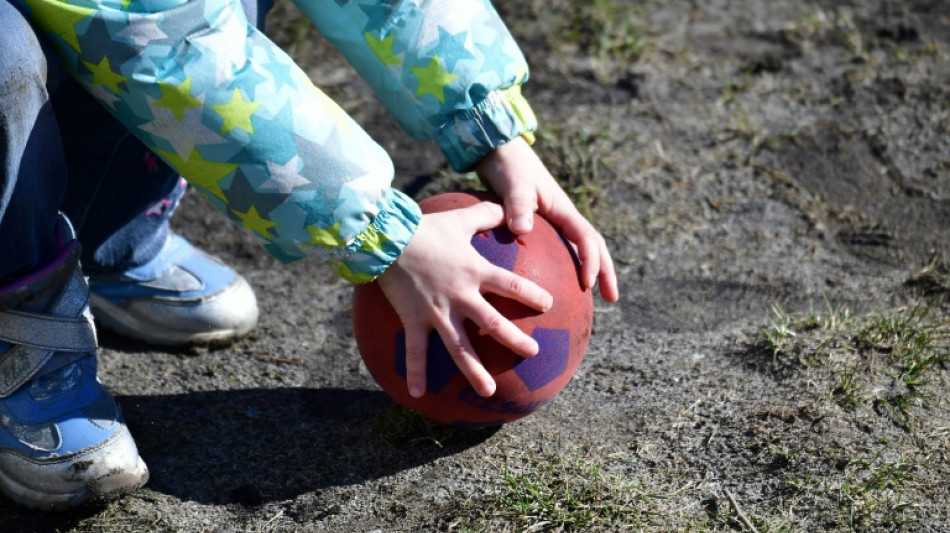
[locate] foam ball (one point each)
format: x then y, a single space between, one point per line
524 385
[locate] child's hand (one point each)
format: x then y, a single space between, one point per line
438 282
515 173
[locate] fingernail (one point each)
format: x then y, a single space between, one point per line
534 348
591 281
521 224
415 392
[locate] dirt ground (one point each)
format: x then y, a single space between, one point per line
773 180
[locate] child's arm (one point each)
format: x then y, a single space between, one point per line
233 114
450 71
447 70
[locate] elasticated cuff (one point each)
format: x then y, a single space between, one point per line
378 246
504 115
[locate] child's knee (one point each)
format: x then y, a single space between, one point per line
22 61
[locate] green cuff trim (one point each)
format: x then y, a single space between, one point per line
383 240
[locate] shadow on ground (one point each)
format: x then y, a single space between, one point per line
254 446
251 447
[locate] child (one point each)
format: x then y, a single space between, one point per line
196 84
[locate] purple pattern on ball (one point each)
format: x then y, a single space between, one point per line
551 360
499 246
440 368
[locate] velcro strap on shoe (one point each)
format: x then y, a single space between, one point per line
62 333
47 332
55 273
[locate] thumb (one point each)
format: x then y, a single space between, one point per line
520 205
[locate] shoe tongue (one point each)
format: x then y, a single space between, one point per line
175 250
65 376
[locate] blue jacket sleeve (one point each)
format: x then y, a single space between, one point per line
447 70
234 115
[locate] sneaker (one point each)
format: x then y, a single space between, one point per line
62 438
182 296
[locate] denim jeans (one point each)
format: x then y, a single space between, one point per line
60 150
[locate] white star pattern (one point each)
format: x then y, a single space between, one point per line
142 30
301 158
284 178
225 42
181 135
453 17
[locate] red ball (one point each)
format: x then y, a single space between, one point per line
524 385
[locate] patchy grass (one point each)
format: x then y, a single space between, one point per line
836 26
557 490
887 357
609 34
876 381
605 29
577 163
858 448
867 489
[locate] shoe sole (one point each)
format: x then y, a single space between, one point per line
81 486
117 319
107 488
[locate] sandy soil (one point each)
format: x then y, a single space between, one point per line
773 178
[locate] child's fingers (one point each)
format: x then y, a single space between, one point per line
591 247
521 201
510 285
417 345
482 216
608 277
503 330
456 341
585 240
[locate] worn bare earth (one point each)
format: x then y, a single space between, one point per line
773 180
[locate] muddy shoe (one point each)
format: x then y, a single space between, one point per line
182 296
62 438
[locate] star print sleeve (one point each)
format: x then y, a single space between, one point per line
447 70
234 115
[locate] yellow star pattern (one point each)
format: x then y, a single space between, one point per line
432 79
199 171
350 275
383 48
326 238
252 220
372 239
236 113
177 98
65 15
104 75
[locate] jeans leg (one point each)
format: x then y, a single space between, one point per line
32 167
120 195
